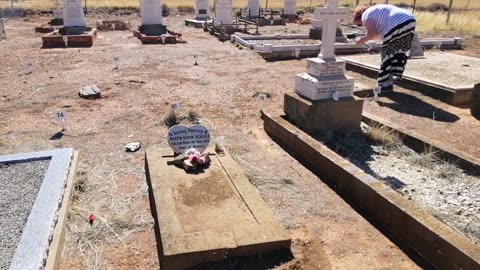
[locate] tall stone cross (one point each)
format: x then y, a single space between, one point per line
330 15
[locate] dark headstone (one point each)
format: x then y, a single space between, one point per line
316 33
73 30
153 29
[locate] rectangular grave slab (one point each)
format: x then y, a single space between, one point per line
35 192
445 76
210 215
57 40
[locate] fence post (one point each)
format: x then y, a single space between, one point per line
468 3
357 2
414 5
449 10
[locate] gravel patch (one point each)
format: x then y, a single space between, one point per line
439 187
19 186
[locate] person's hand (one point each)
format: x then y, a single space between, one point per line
360 42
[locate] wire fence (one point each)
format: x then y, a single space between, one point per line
50 4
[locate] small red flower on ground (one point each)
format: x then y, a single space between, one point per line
91 219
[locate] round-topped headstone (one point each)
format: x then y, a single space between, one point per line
182 138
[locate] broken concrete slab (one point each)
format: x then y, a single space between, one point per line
41 240
210 215
427 75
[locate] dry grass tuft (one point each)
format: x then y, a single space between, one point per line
462 23
177 117
384 135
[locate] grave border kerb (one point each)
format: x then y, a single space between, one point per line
451 95
431 239
33 247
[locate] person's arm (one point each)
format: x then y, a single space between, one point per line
371 32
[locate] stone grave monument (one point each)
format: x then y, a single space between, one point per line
3 34
223 14
253 11
74 32
208 213
202 14
152 30
290 9
342 14
324 94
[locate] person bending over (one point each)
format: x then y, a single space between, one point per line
396 27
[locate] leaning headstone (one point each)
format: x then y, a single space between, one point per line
253 9
290 9
417 49
325 94
318 22
223 12
73 14
202 10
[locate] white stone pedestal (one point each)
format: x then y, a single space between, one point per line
151 11
290 8
324 79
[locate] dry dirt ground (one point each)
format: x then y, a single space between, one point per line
327 233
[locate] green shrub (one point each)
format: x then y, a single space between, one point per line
300 12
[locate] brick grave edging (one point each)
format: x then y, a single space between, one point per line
440 245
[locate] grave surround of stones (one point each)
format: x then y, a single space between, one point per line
324 97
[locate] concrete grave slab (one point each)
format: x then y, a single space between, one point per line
275 47
210 215
448 77
39 240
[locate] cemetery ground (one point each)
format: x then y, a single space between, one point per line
221 91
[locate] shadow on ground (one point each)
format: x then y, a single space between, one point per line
265 261
412 105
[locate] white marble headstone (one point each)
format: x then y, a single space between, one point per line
73 13
223 12
329 17
182 138
290 7
151 11
254 8
202 10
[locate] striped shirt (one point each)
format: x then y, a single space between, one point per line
384 18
